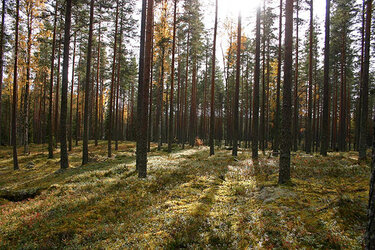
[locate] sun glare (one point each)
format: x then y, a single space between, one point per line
232 7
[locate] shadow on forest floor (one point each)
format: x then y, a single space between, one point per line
189 200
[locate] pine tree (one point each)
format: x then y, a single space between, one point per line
365 88
170 138
237 90
141 149
85 151
326 93
110 109
284 165
64 162
212 116
255 126
2 61
15 90
49 119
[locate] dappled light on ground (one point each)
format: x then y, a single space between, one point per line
189 200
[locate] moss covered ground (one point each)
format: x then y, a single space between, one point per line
189 200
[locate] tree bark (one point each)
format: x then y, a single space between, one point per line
2 60
278 80
109 133
97 89
255 127
370 229
71 95
237 90
308 130
284 165
64 163
170 138
85 151
141 150
15 91
49 119
326 95
212 116
365 90
296 97
56 123
29 10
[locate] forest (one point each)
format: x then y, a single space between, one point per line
199 124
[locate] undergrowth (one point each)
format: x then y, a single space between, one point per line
189 200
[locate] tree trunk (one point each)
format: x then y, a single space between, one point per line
212 115
365 90
71 95
49 119
308 130
184 122
296 97
326 95
85 151
255 126
2 60
284 172
56 123
118 89
370 229
170 138
193 107
15 91
237 90
278 80
141 150
97 90
110 111
78 121
64 163
29 11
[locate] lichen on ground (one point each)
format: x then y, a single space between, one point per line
189 200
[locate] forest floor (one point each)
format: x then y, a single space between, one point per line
188 200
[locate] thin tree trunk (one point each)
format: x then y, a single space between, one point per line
64 163
15 91
255 127
308 130
212 116
56 124
29 10
326 95
185 93
193 107
237 90
170 138
118 89
49 119
2 59
97 89
296 97
109 133
85 151
78 121
149 129
278 80
71 95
